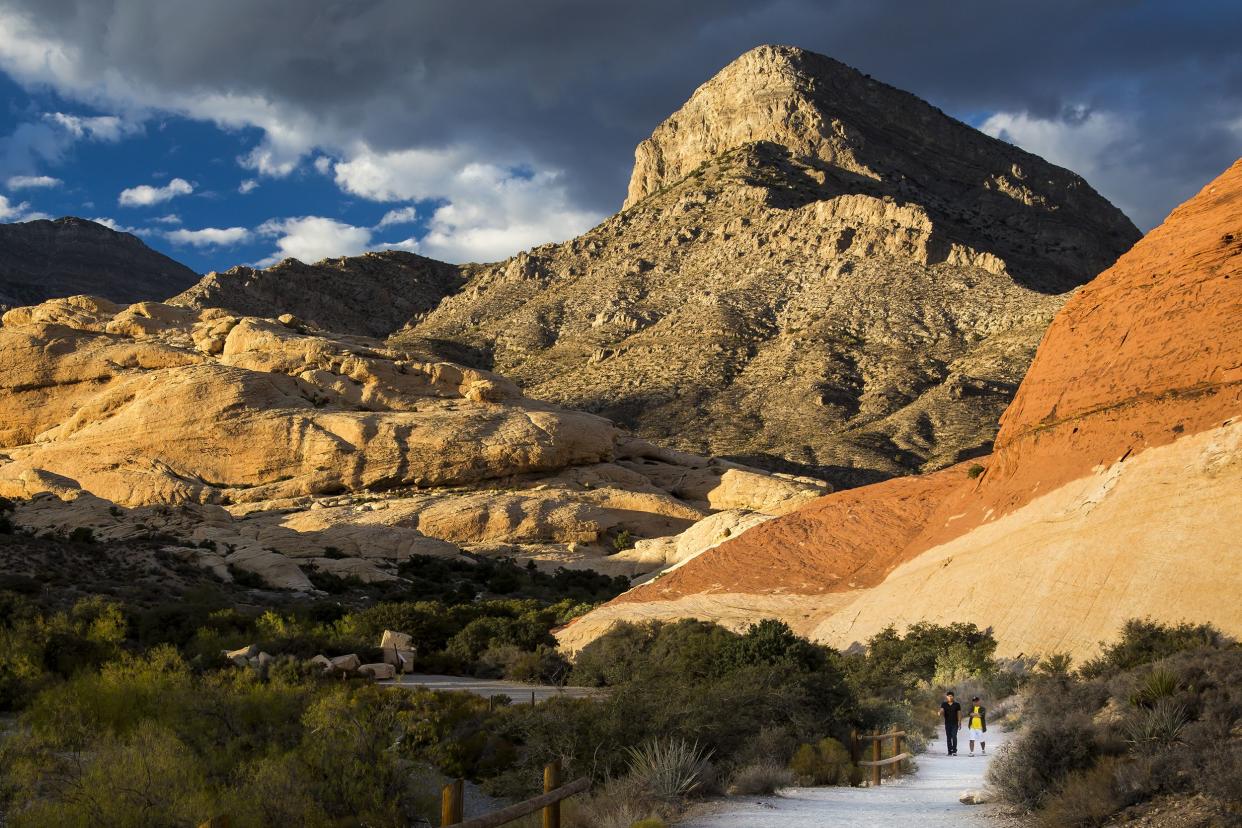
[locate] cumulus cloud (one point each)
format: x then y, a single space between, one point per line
402 215
248 186
108 128
144 195
113 224
209 236
18 212
312 238
491 211
26 182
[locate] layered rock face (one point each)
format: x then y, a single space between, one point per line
1115 490
372 295
812 268
276 441
45 259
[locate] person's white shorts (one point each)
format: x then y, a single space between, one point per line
978 735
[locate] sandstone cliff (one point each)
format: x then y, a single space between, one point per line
813 269
276 441
45 259
1115 490
372 295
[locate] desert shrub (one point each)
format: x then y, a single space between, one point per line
620 803
146 777
624 540
82 534
670 768
824 763
762 777
1036 762
246 578
1057 665
974 471
1222 774
1084 799
544 665
1144 641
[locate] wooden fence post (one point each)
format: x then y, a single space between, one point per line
855 751
452 798
899 745
552 781
875 757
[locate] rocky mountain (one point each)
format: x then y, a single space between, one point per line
812 270
277 448
44 259
1115 490
372 295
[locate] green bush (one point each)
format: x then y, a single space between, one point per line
894 665
763 777
669 768
1144 641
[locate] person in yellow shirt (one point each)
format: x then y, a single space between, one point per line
977 725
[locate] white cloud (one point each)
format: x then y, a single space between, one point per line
312 238
492 212
171 218
107 128
404 215
209 236
113 224
323 165
25 182
15 212
248 186
145 195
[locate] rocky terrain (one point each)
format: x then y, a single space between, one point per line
812 270
373 295
1114 491
45 259
272 446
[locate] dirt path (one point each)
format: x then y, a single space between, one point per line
519 693
928 799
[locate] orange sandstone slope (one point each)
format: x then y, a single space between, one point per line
1115 489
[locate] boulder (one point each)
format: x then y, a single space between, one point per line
249 651
396 640
379 672
347 663
976 797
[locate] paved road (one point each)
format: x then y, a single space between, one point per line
520 693
928 799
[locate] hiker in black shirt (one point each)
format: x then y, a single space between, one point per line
951 711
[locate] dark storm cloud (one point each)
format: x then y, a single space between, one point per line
575 85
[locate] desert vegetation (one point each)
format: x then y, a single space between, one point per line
126 713
1152 722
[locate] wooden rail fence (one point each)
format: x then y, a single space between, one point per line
897 761
452 812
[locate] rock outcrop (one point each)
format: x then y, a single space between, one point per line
271 446
1115 490
813 270
373 295
47 259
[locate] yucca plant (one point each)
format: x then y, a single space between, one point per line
670 768
1159 726
1159 684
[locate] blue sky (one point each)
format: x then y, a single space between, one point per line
244 131
92 171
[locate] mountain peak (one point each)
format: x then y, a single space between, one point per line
868 138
